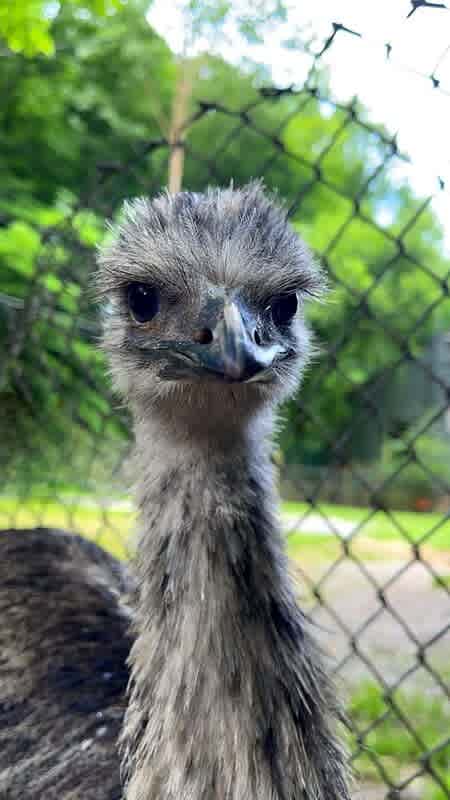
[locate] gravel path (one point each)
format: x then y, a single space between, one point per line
389 625
315 523
389 629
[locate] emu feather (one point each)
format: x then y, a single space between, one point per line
227 698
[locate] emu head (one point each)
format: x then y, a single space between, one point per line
204 308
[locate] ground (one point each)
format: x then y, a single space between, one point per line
400 637
388 628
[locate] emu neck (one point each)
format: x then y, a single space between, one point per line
220 684
210 553
205 494
209 543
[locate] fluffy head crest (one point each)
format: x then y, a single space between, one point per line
232 237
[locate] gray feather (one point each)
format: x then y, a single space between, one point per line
228 697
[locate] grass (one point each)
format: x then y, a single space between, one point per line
382 526
310 547
383 737
109 528
307 549
442 582
112 527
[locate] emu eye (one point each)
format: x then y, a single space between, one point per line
143 301
283 308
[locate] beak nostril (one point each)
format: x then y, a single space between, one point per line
257 337
203 336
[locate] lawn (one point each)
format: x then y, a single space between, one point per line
383 744
111 528
112 525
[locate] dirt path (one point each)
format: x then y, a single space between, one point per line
391 610
382 617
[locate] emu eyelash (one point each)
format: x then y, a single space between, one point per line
267 302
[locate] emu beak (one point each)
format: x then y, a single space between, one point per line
234 353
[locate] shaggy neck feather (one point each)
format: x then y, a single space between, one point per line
227 692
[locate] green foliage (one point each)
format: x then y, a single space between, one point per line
76 129
26 25
382 295
88 103
414 468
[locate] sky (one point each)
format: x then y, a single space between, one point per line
396 92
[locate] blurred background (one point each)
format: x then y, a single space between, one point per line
344 110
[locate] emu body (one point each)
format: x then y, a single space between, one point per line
64 643
228 696
228 699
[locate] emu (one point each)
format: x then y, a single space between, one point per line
227 697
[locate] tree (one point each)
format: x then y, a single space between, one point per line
205 25
66 114
26 25
80 130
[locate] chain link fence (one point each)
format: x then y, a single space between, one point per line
364 456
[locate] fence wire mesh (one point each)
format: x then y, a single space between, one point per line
364 457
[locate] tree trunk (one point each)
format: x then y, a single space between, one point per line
177 133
